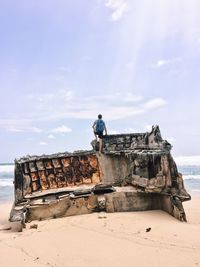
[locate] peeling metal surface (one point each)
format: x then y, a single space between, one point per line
44 174
134 172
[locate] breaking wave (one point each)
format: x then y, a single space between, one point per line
6 175
6 168
6 182
191 177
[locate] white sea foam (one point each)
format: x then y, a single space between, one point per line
6 182
188 160
191 176
6 168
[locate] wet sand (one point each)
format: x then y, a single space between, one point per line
102 239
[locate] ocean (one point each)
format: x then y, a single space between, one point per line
191 176
6 182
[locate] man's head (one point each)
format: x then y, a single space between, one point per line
99 116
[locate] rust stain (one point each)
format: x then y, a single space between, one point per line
58 173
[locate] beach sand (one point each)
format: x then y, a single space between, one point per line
102 239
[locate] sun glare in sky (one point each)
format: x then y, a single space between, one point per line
137 62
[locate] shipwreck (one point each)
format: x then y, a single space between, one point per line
135 172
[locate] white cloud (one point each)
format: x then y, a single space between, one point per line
154 103
188 160
165 62
131 130
148 127
43 143
114 106
14 129
171 140
161 63
113 132
51 136
62 129
115 98
118 7
127 130
132 98
64 104
23 128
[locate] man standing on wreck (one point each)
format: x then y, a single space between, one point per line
99 127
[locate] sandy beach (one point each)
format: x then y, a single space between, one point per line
102 239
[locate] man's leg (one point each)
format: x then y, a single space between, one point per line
95 136
100 145
100 142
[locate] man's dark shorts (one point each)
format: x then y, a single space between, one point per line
99 134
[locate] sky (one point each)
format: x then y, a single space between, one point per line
63 62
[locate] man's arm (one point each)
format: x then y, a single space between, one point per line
94 126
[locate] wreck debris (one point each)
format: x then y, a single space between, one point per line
134 172
34 226
148 229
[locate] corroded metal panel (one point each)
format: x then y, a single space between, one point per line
138 167
44 174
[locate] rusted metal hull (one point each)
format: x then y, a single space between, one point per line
135 172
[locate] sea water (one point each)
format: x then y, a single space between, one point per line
6 182
191 176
